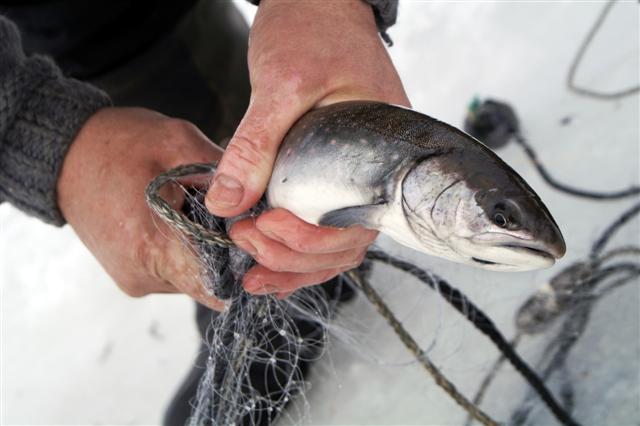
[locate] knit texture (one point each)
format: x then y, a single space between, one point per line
41 112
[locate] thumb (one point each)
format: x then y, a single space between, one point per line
245 168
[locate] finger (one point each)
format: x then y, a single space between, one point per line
282 225
179 265
260 280
278 257
245 168
196 148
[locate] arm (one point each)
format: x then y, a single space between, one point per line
66 156
40 114
302 54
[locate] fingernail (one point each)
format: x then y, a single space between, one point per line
248 247
226 191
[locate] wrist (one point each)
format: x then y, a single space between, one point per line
356 12
75 164
381 13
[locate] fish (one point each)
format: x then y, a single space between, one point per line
424 183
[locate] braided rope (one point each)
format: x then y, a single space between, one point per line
413 347
177 219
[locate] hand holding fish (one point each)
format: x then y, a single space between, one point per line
301 55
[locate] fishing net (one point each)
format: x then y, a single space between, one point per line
260 346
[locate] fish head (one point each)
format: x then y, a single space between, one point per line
474 209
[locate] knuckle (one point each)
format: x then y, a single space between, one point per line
303 242
251 152
301 245
179 128
271 262
235 234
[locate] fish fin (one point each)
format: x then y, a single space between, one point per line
366 216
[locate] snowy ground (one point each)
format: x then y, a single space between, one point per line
75 350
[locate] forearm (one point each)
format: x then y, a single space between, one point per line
41 111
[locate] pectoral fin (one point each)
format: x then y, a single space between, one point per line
367 216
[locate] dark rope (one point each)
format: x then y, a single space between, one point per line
374 298
606 235
613 195
484 385
573 295
578 58
483 323
495 123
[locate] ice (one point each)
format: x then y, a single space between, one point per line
77 350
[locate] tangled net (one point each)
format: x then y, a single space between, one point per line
259 347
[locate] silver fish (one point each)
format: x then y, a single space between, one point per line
424 183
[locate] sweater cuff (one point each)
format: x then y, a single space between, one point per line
47 110
386 13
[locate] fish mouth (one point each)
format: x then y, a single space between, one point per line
518 258
483 261
531 251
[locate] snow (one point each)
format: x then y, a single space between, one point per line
76 350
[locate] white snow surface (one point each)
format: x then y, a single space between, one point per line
75 350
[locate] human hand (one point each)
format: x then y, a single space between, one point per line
301 55
101 195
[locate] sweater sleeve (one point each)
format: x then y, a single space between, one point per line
41 111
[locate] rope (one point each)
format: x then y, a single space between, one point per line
601 242
484 324
578 58
574 298
456 298
612 195
413 347
177 219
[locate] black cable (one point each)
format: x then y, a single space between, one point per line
571 292
495 123
575 325
578 58
606 235
483 323
613 195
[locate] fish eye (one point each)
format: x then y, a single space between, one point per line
507 215
500 220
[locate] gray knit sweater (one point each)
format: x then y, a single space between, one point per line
41 111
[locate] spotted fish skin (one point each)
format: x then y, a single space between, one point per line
380 165
346 152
